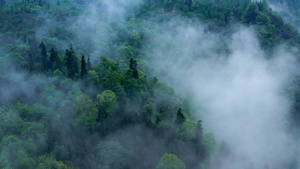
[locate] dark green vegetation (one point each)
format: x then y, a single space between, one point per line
291 7
60 111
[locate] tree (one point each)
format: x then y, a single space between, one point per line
49 162
209 142
86 112
44 56
71 63
40 3
30 62
89 65
180 117
189 3
187 131
199 132
170 161
107 103
113 155
133 67
251 13
83 67
265 5
54 59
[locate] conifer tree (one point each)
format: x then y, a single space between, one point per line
89 65
189 3
133 66
75 60
180 117
265 5
30 62
199 132
71 62
44 56
54 60
83 67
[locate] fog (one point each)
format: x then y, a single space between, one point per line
237 90
240 95
285 12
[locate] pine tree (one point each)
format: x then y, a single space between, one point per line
30 62
189 3
83 67
199 132
89 65
135 71
75 60
54 60
180 117
265 5
71 63
44 56
133 66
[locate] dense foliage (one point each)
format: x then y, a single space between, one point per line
62 108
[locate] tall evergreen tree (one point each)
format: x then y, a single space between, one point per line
75 60
199 132
89 65
30 61
54 60
189 3
44 56
265 5
83 67
71 63
180 117
133 66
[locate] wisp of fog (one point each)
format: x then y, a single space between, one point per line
238 92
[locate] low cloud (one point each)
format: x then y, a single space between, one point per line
238 93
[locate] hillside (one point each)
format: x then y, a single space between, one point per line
148 84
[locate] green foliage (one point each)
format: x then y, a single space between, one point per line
107 103
187 131
49 162
83 67
86 112
58 127
209 142
251 13
113 155
170 161
180 117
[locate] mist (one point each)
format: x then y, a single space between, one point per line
239 91
283 9
93 32
240 95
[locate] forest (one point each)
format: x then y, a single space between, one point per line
149 84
